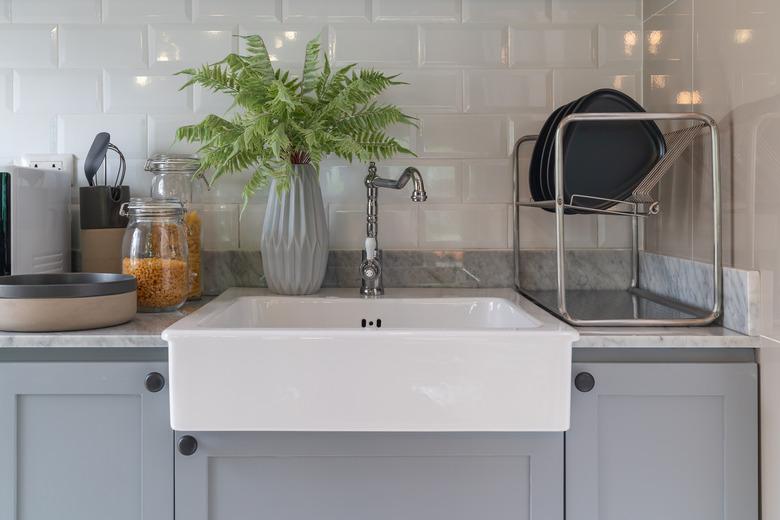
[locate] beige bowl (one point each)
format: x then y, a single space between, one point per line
61 314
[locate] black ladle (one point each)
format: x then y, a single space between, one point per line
96 156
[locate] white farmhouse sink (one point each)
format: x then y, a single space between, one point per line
426 360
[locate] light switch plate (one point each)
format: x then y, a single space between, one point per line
65 162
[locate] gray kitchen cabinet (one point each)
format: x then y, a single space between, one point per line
671 441
84 441
357 476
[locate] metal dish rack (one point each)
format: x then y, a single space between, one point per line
634 306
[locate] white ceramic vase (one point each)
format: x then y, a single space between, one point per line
294 244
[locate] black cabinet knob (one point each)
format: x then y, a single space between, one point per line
584 382
154 381
187 445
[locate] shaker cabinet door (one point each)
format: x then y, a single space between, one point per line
670 441
377 476
85 441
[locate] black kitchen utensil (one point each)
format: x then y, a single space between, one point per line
96 156
548 152
535 172
606 159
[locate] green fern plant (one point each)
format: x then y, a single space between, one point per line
283 120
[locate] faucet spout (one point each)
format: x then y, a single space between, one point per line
418 193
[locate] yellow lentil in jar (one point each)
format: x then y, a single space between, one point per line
162 282
192 222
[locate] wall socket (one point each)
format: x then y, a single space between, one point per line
50 161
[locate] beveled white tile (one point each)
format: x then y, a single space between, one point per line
620 45
464 46
237 10
29 133
571 84
5 11
75 133
397 226
148 11
614 232
506 11
487 181
28 45
175 46
501 91
380 45
414 10
6 91
471 226
162 134
44 91
286 43
596 10
537 230
55 11
144 91
250 227
220 226
463 136
557 46
206 101
335 10
120 46
521 125
426 91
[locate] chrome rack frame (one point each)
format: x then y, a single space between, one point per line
639 205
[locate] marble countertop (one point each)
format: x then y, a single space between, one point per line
144 332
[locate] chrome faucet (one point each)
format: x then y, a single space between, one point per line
371 265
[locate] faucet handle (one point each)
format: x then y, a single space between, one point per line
370 269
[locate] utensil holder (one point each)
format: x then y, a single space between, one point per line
102 227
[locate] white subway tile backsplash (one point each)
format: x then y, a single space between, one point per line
571 84
378 45
45 91
506 11
473 226
149 11
55 11
84 46
487 181
614 233
162 133
175 46
397 226
558 46
501 91
415 10
144 91
28 45
596 10
286 43
463 46
128 132
220 226
335 10
427 90
250 227
236 10
463 136
481 73
21 134
537 230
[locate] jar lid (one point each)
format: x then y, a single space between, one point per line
147 207
172 163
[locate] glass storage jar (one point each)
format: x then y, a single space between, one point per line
172 179
154 250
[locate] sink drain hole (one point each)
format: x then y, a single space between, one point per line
363 323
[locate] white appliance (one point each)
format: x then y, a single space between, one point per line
34 220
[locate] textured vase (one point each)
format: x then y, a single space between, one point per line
294 244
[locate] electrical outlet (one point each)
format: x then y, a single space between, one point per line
51 161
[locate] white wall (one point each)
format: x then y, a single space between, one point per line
483 72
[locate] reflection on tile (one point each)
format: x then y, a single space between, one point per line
141 91
175 46
571 84
620 45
